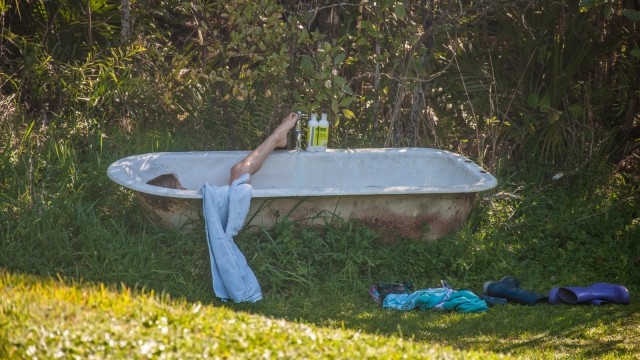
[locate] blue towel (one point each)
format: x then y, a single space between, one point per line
225 209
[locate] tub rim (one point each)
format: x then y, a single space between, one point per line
117 172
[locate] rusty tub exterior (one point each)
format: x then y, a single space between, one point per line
417 193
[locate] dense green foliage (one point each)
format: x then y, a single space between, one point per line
544 94
490 79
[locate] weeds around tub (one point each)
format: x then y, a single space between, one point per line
299 255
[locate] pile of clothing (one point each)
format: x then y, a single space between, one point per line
402 296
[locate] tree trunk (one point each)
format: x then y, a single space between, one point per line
421 90
125 19
89 34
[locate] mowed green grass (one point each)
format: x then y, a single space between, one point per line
49 318
53 318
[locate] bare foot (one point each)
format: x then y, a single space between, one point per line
279 135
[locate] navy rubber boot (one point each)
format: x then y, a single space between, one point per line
509 288
493 301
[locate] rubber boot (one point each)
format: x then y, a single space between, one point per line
554 298
492 300
510 281
508 288
596 294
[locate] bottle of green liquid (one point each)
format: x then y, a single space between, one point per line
312 133
323 133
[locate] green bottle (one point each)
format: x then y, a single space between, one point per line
323 133
312 133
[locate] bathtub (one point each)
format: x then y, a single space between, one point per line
417 193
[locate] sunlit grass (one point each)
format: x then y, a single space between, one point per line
48 318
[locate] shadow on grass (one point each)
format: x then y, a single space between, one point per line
543 330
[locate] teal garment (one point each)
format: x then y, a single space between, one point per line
465 301
440 298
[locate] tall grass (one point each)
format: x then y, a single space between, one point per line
61 214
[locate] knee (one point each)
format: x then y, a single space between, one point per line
236 171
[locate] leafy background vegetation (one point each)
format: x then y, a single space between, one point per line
543 94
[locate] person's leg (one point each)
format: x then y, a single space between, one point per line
253 162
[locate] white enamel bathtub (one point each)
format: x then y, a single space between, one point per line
410 192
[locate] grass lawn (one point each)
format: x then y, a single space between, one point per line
45 318
53 318
83 274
